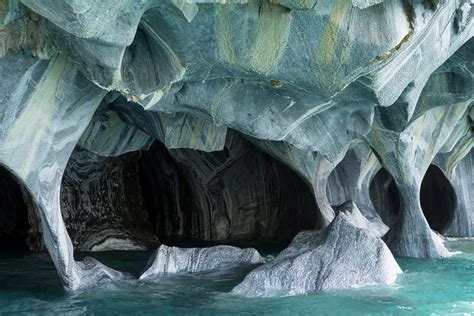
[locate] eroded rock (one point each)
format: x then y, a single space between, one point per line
342 256
303 80
171 260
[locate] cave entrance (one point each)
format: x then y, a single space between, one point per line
239 196
14 223
438 199
437 196
183 197
385 196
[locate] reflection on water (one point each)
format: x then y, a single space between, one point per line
29 284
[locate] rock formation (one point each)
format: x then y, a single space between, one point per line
334 90
462 180
238 194
172 260
343 255
101 203
351 180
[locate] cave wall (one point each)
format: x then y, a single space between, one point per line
385 196
305 81
134 200
102 204
462 180
239 194
14 224
442 200
351 179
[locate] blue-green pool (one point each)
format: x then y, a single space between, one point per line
28 284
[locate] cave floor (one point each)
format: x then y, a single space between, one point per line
29 284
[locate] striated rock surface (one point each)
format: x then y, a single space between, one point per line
351 179
238 194
171 260
46 107
102 203
341 256
462 179
304 81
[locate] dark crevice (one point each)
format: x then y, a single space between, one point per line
385 196
437 196
238 196
438 199
14 223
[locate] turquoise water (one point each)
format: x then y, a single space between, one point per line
28 284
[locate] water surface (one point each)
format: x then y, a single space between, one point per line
29 284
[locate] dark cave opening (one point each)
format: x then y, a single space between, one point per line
183 197
239 196
385 196
14 223
438 199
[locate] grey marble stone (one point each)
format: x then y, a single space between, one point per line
46 105
407 145
341 256
102 203
351 180
171 260
305 81
462 180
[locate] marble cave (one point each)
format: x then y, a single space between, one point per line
279 153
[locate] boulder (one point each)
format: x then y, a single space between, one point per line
170 260
339 257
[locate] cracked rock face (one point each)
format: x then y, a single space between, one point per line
333 89
172 260
342 256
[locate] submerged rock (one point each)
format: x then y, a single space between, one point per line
168 260
341 256
90 272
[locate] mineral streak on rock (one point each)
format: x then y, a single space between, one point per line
342 256
237 194
462 179
334 89
46 105
172 260
102 204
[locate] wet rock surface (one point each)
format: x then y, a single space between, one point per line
171 260
334 90
341 256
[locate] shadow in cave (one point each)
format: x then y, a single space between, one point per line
438 199
14 224
385 197
238 196
437 196
182 197
23 266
